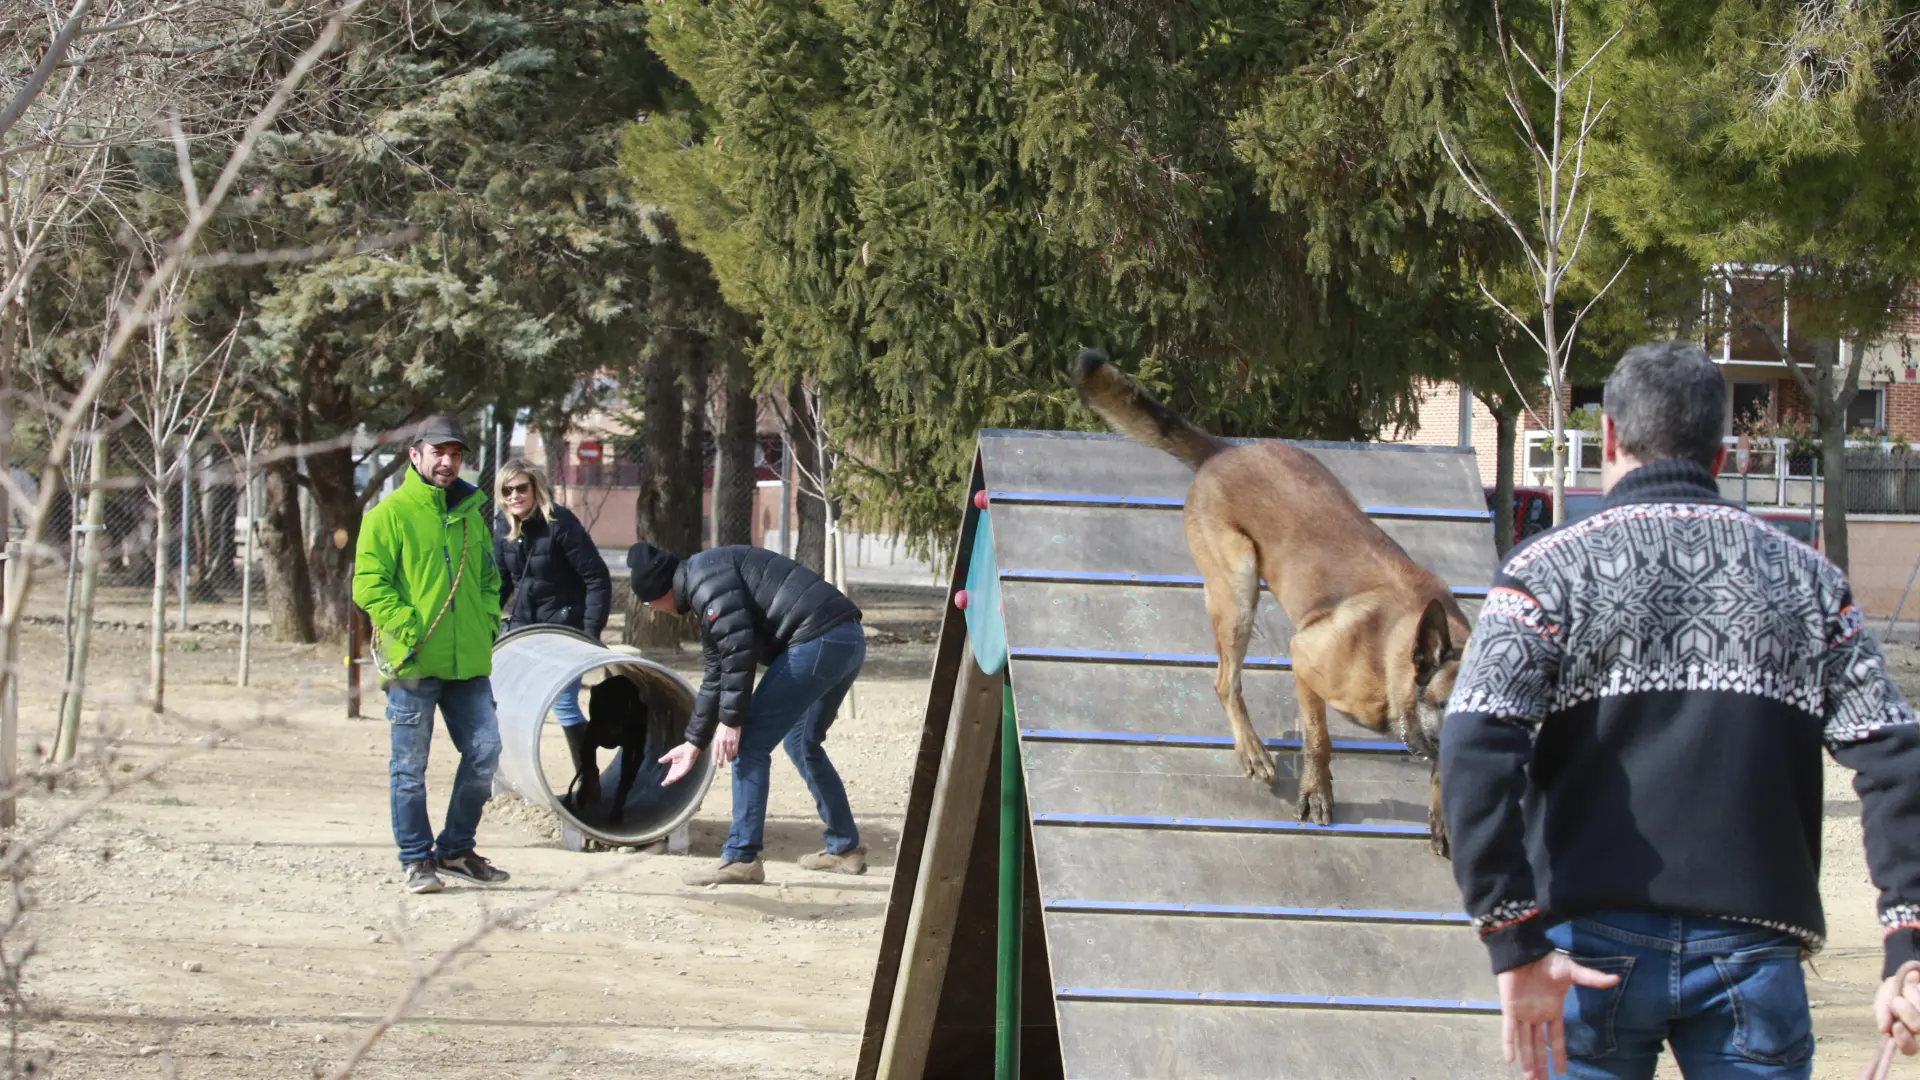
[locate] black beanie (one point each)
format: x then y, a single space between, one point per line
652 570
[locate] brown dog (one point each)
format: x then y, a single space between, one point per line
1374 634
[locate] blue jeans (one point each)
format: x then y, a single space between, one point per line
467 707
1727 998
566 707
795 704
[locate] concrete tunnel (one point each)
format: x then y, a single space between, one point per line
530 667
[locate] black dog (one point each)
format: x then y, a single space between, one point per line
616 720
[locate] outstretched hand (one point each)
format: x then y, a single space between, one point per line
1532 1003
1896 1008
679 761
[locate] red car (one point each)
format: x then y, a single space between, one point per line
1533 508
1533 513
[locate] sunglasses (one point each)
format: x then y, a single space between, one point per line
521 488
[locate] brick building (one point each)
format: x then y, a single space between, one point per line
1439 423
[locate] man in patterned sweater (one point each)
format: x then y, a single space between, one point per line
1631 770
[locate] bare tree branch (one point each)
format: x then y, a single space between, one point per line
312 252
130 320
1552 242
56 51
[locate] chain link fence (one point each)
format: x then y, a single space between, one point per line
178 535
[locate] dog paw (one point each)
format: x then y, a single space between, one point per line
1316 806
1257 763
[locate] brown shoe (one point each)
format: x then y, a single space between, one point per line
850 861
729 873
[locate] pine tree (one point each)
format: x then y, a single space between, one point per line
929 207
487 142
1783 139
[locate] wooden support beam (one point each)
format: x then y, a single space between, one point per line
943 870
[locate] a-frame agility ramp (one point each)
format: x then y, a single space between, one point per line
1178 921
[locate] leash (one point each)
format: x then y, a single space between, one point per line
386 672
1878 1069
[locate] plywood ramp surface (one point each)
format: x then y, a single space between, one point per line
1193 928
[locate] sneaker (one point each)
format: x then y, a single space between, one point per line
730 873
421 878
469 866
850 861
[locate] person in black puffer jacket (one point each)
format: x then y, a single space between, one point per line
554 574
756 608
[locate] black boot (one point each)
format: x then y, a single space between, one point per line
586 767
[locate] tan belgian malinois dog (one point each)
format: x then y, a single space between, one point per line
1374 634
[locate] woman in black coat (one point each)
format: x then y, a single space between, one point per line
550 572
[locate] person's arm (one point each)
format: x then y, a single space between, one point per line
586 561
726 622
1503 694
706 701
1871 730
491 587
1501 697
376 559
500 563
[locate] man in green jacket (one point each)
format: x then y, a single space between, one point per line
423 571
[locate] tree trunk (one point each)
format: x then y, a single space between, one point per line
810 547
1833 469
289 585
696 392
733 460
659 510
157 633
1559 459
336 505
498 436
10 319
1506 427
130 533
219 514
246 568
553 443
71 704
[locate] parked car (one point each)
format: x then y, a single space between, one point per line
1533 508
1533 513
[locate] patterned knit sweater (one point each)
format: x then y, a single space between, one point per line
1639 719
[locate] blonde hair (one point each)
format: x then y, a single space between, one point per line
542 492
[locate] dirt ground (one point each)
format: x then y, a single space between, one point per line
242 917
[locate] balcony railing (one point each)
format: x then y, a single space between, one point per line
1879 479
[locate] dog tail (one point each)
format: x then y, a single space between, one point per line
1134 413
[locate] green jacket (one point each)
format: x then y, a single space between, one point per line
410 545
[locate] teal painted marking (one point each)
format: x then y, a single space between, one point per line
986 625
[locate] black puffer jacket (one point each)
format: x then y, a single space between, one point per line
752 605
553 572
